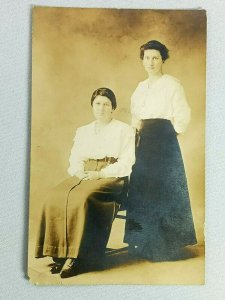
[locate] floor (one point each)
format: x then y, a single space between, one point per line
123 269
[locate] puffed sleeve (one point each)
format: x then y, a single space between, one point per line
77 158
181 110
126 157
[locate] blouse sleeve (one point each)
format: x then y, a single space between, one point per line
76 159
126 157
181 110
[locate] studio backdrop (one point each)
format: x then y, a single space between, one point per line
76 51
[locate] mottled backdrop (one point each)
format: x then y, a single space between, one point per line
75 51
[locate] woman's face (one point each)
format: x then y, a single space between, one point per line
152 62
102 108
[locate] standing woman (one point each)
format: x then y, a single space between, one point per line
78 214
159 217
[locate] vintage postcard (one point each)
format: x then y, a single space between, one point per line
117 147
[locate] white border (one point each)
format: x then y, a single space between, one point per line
15 71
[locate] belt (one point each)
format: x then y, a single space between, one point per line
110 160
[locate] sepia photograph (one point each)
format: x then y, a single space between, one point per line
117 161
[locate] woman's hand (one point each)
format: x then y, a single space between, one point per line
92 175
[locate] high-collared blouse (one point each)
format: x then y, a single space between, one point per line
116 140
164 99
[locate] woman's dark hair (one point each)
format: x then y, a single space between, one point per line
156 45
106 93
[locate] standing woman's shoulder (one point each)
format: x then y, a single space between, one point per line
171 81
142 84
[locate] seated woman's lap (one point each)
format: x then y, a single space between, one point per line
78 192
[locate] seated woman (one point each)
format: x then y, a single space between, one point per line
78 214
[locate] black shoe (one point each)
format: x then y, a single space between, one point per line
56 267
72 267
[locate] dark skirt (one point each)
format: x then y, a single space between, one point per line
159 216
78 214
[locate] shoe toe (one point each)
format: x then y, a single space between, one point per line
56 268
71 268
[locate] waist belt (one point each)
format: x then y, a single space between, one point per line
98 164
109 160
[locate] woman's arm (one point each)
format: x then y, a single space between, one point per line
76 160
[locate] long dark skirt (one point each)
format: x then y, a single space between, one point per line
77 216
159 217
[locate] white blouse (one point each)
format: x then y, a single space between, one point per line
164 99
116 139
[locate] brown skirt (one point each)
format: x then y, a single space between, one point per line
78 214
